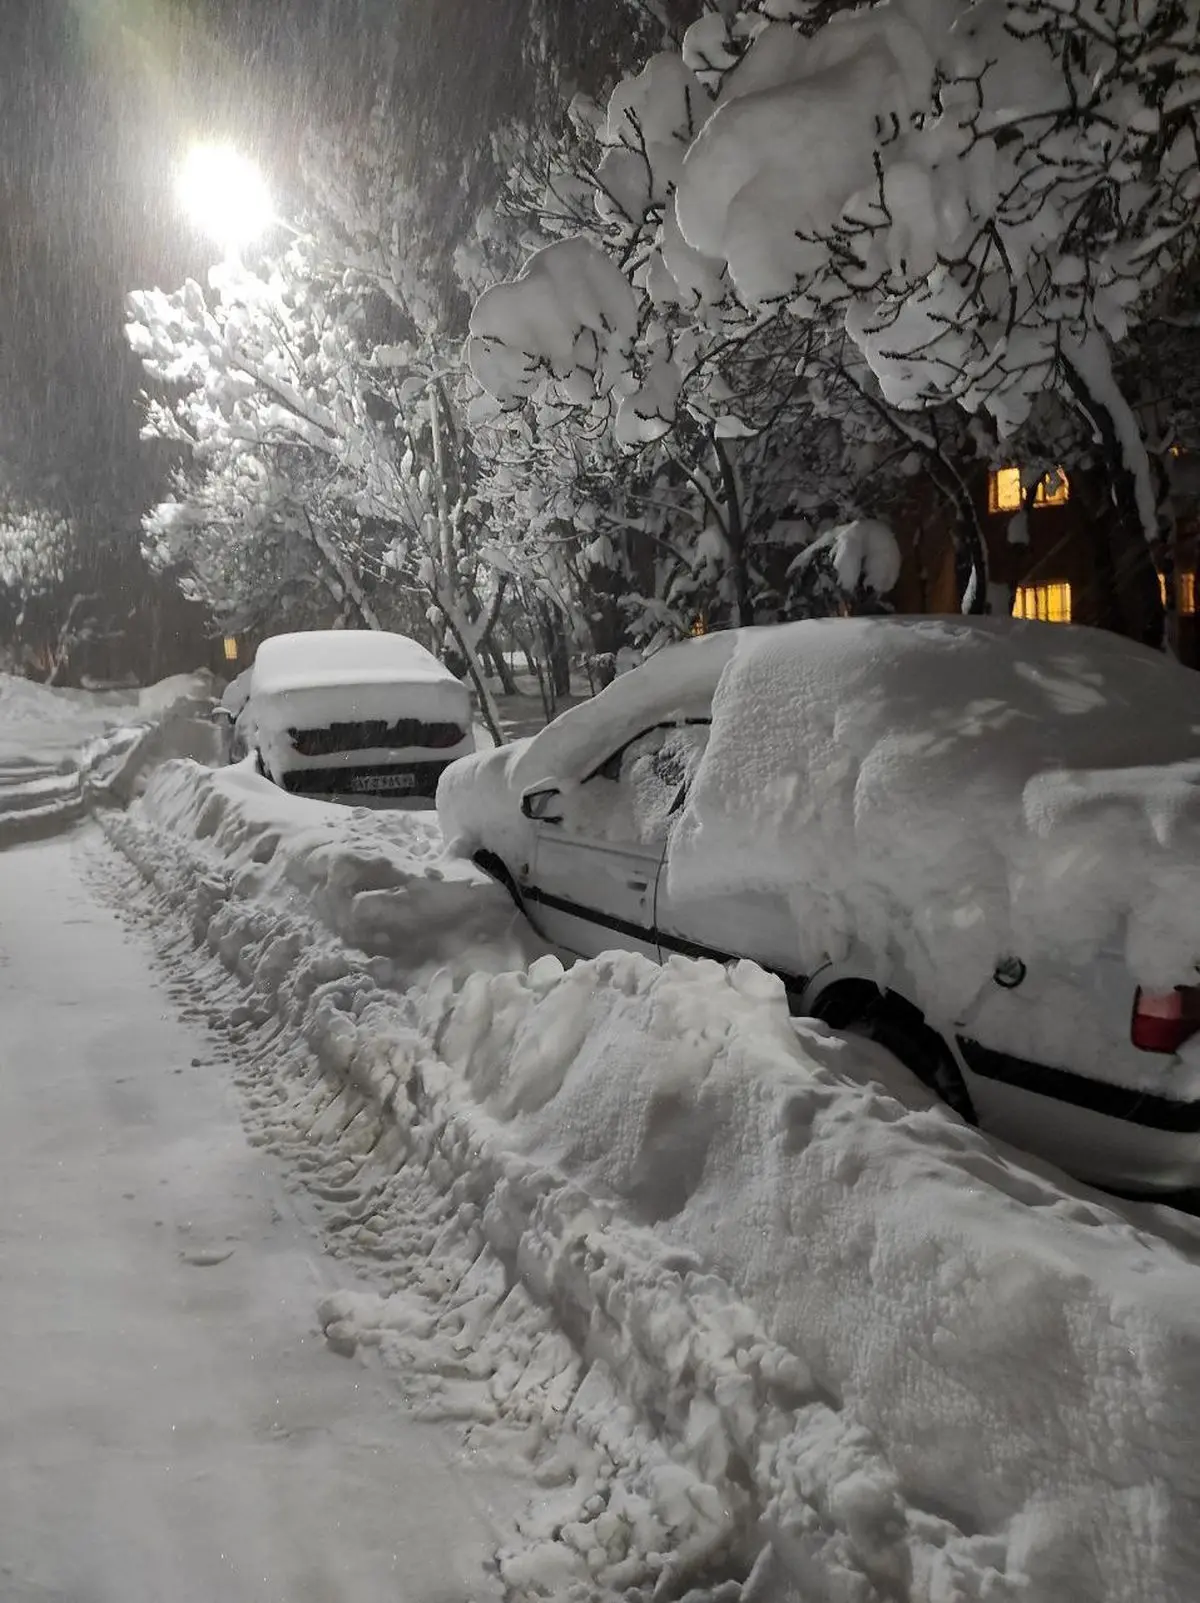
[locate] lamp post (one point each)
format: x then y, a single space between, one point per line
225 194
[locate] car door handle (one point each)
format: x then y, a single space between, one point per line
638 884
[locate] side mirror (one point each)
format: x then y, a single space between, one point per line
541 804
222 715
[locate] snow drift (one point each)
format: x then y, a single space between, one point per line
60 750
756 1309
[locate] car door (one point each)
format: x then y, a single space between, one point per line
596 862
754 924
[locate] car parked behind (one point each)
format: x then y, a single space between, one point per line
357 712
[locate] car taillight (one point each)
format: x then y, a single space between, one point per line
1164 1020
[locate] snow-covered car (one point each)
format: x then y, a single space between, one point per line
226 713
976 840
358 712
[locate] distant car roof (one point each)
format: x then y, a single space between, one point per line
320 658
237 691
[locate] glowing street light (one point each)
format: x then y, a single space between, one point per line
225 194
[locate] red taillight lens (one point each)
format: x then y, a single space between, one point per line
1164 1020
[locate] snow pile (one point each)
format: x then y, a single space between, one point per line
952 1377
379 882
754 1309
60 749
949 793
42 723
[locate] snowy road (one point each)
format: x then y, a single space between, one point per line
171 1423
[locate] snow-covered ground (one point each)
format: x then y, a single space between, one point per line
171 1422
751 1311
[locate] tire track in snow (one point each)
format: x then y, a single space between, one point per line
677 1449
683 1447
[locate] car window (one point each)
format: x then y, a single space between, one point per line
631 797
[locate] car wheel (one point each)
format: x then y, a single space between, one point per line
899 1027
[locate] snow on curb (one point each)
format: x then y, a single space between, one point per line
757 1308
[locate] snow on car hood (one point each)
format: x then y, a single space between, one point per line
477 802
953 791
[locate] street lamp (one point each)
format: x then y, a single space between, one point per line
225 194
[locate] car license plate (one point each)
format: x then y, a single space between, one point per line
384 784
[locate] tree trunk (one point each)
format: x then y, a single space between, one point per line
969 536
500 668
1087 367
555 649
462 633
345 577
735 534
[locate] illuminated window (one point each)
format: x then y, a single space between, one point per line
1051 603
1005 493
231 648
1185 589
1054 490
1004 490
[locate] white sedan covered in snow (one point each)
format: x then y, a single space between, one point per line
977 840
358 712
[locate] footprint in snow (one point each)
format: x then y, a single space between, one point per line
207 1259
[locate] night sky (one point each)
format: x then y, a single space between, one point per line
99 99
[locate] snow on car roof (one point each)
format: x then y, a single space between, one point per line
953 790
318 658
681 680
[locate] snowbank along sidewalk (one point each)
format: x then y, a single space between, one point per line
62 749
763 1321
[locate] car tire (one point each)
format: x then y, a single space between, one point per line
893 1023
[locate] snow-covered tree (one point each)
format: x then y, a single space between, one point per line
328 350
45 609
997 191
982 197
850 569
36 548
599 331
263 542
